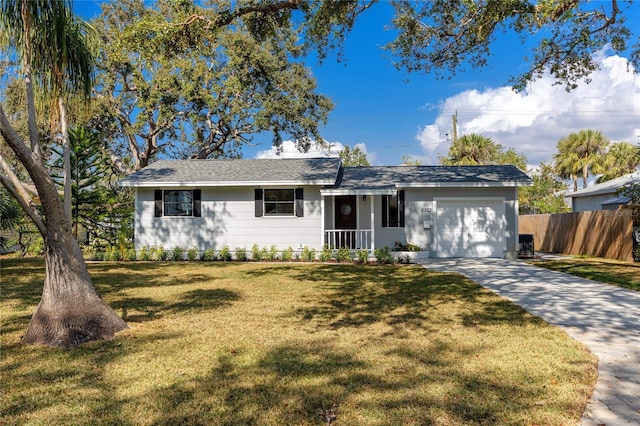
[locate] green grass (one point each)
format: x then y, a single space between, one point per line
271 344
616 272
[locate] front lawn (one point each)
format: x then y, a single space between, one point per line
272 344
616 272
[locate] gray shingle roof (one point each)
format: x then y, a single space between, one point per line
386 178
319 171
608 187
298 171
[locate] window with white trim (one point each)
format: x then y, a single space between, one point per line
177 202
279 202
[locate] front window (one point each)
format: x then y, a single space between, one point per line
178 203
393 210
279 202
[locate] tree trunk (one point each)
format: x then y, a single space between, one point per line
66 157
70 312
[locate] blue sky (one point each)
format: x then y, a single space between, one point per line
390 114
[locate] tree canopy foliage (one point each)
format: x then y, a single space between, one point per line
474 149
353 157
175 79
444 36
545 195
580 154
622 158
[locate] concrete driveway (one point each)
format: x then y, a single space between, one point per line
603 317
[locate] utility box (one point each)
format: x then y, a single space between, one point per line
525 245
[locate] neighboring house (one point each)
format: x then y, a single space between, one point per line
603 196
456 211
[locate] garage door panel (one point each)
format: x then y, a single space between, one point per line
470 228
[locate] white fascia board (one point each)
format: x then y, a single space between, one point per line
357 192
205 184
579 194
463 184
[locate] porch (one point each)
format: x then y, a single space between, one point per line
349 217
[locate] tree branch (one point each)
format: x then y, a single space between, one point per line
19 192
228 17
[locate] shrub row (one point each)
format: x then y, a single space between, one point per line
225 254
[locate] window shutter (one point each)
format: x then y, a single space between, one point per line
197 203
385 208
259 208
158 200
300 202
401 208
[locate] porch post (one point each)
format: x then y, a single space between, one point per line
322 219
357 235
373 224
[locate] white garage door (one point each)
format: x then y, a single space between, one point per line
470 228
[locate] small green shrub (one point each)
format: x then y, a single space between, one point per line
209 255
130 254
308 254
241 254
144 254
326 253
362 256
344 255
256 253
192 254
158 253
406 247
112 254
225 254
287 255
98 255
383 255
273 253
177 253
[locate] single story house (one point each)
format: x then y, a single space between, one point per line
603 196
449 211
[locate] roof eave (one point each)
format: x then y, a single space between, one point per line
204 184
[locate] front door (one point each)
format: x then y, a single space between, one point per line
345 214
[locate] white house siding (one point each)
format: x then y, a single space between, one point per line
593 202
228 218
420 207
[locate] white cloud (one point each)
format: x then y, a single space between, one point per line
289 150
533 122
329 149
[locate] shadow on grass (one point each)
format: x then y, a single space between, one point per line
293 382
288 382
622 274
400 296
113 279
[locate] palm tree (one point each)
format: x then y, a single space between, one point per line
591 147
470 150
70 311
581 153
621 159
475 149
566 161
63 64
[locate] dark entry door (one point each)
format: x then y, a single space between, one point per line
345 214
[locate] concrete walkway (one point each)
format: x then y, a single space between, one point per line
603 317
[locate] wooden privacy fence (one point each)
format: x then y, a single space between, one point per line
606 233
